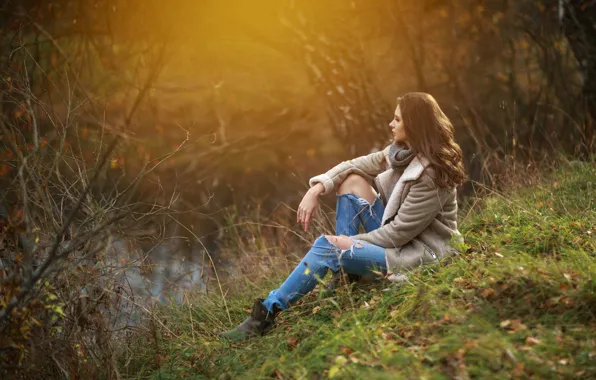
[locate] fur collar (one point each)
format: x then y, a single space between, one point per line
411 173
414 169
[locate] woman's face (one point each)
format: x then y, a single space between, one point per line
397 127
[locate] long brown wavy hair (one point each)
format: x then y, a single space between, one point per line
430 133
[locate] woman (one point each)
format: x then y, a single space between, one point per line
409 223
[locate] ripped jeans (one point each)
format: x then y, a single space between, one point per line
360 259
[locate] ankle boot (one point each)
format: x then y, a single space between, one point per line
259 322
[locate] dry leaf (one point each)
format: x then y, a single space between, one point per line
516 325
531 341
387 336
518 371
292 342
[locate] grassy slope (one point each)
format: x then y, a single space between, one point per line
519 301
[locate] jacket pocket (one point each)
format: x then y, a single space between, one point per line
411 255
429 255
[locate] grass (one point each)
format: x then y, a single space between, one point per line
518 302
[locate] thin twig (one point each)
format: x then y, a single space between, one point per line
28 285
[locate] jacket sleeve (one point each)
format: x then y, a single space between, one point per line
422 204
368 166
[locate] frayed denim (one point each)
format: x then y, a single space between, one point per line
351 211
360 259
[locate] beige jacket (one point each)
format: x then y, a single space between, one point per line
419 219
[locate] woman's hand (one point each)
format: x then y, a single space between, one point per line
341 242
309 204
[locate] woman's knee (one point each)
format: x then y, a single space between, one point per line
357 185
352 181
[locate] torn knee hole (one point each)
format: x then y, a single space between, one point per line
355 244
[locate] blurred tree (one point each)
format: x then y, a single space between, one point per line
578 19
325 35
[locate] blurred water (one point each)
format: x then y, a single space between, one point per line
165 273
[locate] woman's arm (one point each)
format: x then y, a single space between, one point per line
367 166
308 205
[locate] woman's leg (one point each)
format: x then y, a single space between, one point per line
363 259
357 203
371 219
360 259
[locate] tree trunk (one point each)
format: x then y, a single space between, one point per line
578 19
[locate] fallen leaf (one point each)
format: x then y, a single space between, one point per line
386 336
518 371
531 341
516 325
292 342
